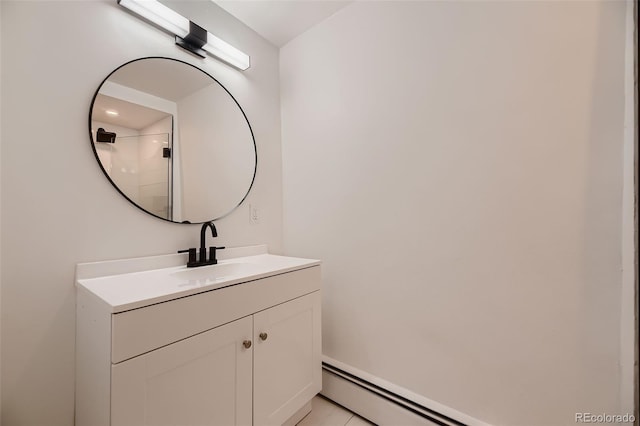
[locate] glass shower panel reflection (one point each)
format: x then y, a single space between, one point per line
154 174
141 167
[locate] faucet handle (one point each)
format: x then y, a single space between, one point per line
212 254
192 255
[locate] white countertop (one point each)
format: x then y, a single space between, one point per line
133 290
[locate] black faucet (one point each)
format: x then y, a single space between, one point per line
203 235
202 258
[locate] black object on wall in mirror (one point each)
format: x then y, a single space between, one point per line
104 136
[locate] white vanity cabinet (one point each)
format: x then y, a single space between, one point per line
239 354
286 359
202 380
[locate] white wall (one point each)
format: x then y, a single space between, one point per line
228 143
458 168
629 297
57 207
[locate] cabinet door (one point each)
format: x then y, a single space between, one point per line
202 380
286 359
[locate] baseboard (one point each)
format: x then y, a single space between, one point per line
383 403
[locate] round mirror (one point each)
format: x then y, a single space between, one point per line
172 140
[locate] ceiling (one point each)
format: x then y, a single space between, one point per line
129 115
280 21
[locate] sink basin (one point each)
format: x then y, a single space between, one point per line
221 271
129 284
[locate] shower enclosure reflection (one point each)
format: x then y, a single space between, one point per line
140 166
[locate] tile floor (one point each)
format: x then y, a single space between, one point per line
326 413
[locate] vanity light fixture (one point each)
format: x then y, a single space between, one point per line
189 35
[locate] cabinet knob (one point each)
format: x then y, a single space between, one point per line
263 336
246 344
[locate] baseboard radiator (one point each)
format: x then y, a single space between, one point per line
380 402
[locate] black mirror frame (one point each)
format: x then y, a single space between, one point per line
95 152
